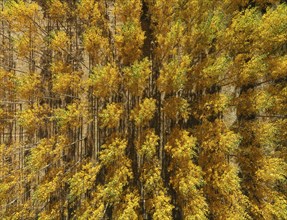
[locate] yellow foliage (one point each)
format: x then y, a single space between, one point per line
22 15
173 75
64 79
151 178
8 82
148 148
129 40
144 112
177 107
128 208
60 41
272 36
136 76
28 85
89 11
23 45
254 69
212 105
71 116
168 41
34 117
186 178
96 44
220 139
124 114
46 152
111 115
215 69
272 170
105 80
114 159
163 207
278 66
83 180
180 145
44 191
128 10
113 152
242 31
58 9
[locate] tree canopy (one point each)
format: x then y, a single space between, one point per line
143 109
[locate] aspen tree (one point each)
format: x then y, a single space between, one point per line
186 177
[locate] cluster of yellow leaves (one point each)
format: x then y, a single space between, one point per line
162 206
129 36
225 187
8 80
28 86
9 175
279 93
52 213
22 45
64 80
111 115
64 83
221 175
157 200
105 80
129 41
136 76
35 117
128 10
147 149
265 135
252 70
144 112
242 31
176 107
151 179
2 114
186 177
45 190
168 42
162 14
113 151
129 207
88 11
58 10
26 43
277 207
71 116
21 15
96 44
47 153
93 208
60 41
180 145
220 138
272 170
256 102
272 36
173 75
113 157
212 105
278 66
215 69
83 180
